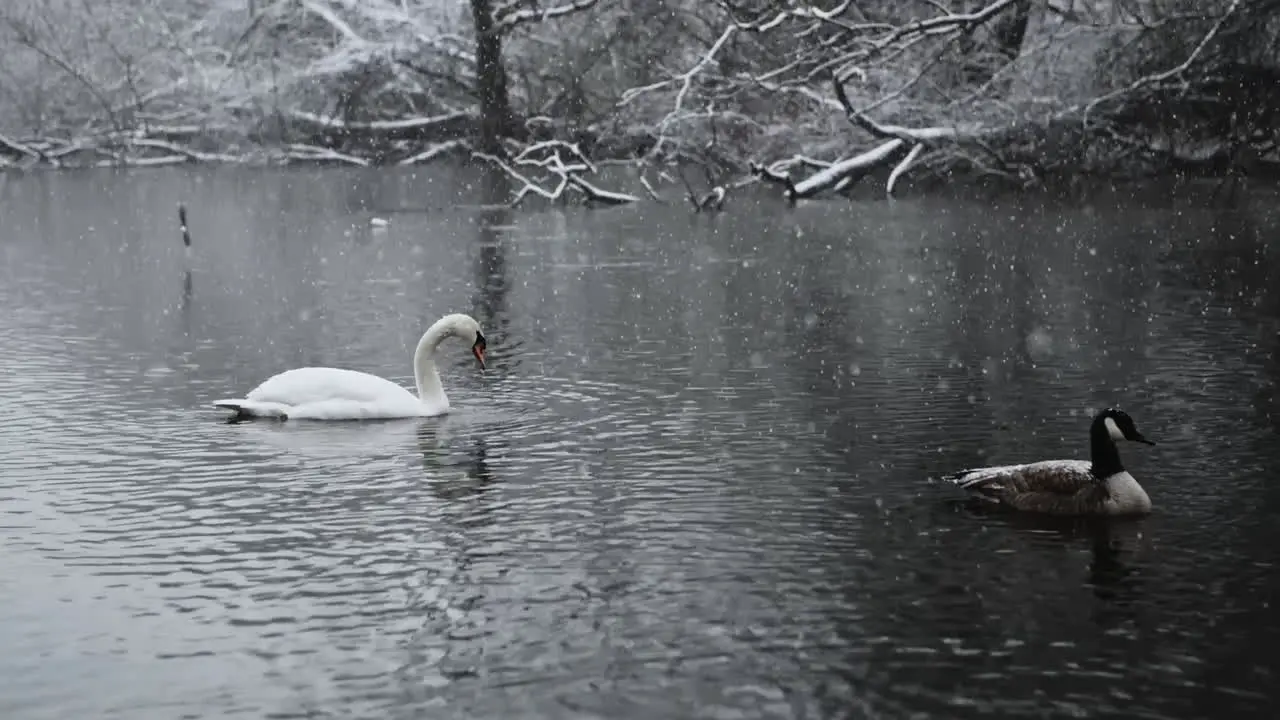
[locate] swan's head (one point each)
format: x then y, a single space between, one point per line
457 325
466 328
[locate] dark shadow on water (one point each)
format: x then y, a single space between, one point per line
492 279
728 512
465 511
363 234
185 309
1112 575
476 477
1235 266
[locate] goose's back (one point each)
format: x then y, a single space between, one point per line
1057 487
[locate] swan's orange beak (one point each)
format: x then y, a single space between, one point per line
477 349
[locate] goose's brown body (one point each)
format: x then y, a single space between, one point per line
1100 486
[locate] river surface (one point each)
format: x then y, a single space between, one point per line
698 479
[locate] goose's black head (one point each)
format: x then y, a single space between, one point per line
1119 426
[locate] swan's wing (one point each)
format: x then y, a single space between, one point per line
309 385
341 409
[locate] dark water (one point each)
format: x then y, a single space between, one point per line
695 482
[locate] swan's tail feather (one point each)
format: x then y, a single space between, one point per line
245 409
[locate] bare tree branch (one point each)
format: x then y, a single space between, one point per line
314 153
902 168
17 148
329 16
926 87
567 175
434 151
1169 74
648 187
510 15
907 135
602 197
686 78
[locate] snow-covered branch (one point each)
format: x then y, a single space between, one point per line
545 157
436 150
512 14
324 12
1171 73
685 81
907 135
18 149
314 153
407 127
921 87
902 168
686 78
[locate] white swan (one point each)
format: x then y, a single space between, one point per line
323 393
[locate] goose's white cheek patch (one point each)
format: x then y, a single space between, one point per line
1114 429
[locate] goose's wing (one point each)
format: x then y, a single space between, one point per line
1058 477
1059 487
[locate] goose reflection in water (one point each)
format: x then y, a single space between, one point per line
1113 545
1108 571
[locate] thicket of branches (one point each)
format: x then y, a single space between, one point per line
811 95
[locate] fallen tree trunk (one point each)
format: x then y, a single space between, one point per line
333 131
18 150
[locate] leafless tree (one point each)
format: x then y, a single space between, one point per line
813 96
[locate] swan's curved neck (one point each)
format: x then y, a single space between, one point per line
424 362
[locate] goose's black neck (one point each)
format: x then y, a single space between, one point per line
1103 453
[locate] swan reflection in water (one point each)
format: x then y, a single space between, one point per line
433 440
492 273
453 479
355 440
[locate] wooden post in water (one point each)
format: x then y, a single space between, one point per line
182 224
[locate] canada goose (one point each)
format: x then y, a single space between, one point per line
1068 487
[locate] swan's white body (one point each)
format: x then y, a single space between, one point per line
324 393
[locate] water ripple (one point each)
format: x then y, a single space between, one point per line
693 481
